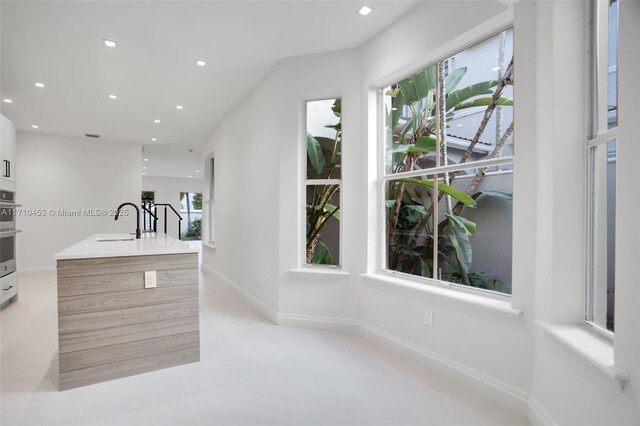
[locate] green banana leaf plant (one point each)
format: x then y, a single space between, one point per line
411 223
321 207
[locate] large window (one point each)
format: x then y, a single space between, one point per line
601 167
323 182
191 213
148 208
447 174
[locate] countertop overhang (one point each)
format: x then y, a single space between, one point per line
148 245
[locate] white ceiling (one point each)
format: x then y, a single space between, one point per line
59 43
173 160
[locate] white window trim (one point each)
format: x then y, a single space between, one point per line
596 351
599 134
208 215
305 267
382 178
498 302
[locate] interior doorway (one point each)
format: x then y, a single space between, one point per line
191 213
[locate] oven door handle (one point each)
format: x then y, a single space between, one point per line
10 232
10 205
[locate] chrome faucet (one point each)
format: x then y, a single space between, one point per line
138 233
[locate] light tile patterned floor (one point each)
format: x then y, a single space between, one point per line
251 373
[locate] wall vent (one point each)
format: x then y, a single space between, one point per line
91 135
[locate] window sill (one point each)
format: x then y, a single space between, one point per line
319 271
210 245
501 306
588 346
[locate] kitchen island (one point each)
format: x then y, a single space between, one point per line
126 306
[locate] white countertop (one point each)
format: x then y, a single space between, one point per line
145 246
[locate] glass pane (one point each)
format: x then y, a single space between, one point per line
476 126
211 182
475 243
7 214
324 138
410 125
148 197
7 246
474 225
603 234
191 213
323 224
409 226
612 79
212 222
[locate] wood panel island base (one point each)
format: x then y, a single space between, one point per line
112 322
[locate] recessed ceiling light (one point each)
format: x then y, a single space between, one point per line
144 168
156 121
146 159
113 97
154 139
496 68
189 176
109 43
200 63
458 125
7 101
35 126
197 171
40 85
179 107
144 174
365 10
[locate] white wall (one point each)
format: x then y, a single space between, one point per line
565 384
257 209
60 172
309 296
514 358
167 190
246 193
490 343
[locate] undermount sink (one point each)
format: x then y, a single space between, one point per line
113 239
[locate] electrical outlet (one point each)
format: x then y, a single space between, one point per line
150 279
428 318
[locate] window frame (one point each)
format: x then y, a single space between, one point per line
383 178
208 204
598 134
304 183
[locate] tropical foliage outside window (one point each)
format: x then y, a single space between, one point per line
148 197
323 181
448 168
191 209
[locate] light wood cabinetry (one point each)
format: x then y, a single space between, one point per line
110 326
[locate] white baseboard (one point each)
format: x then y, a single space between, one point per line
537 415
253 300
35 271
319 322
502 393
498 391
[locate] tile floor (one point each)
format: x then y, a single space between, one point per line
251 372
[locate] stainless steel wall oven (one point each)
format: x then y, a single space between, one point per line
7 251
7 210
